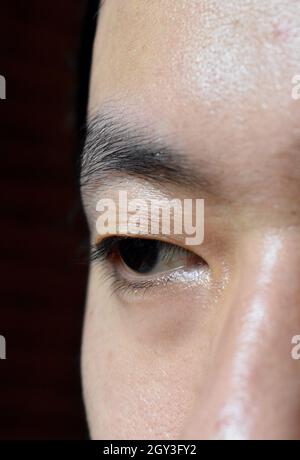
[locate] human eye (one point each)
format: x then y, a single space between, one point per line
137 264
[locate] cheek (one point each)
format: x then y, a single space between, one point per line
140 370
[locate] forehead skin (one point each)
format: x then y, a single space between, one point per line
214 76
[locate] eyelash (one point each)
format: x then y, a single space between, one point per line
106 253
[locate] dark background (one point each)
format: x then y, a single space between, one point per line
45 49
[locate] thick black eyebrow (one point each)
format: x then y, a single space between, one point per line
115 146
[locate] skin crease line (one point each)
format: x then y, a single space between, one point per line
194 342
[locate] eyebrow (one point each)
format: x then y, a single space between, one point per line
113 145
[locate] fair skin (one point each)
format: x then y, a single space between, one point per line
212 359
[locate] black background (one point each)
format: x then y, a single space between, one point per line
45 49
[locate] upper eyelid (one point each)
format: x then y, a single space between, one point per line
161 238
106 243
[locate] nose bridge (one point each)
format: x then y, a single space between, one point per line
262 312
253 387
264 301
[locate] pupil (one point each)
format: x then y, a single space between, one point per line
139 254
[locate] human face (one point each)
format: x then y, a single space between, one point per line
204 352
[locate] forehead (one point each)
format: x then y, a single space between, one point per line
214 75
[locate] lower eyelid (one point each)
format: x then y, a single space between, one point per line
129 290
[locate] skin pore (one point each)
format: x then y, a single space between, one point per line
201 87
